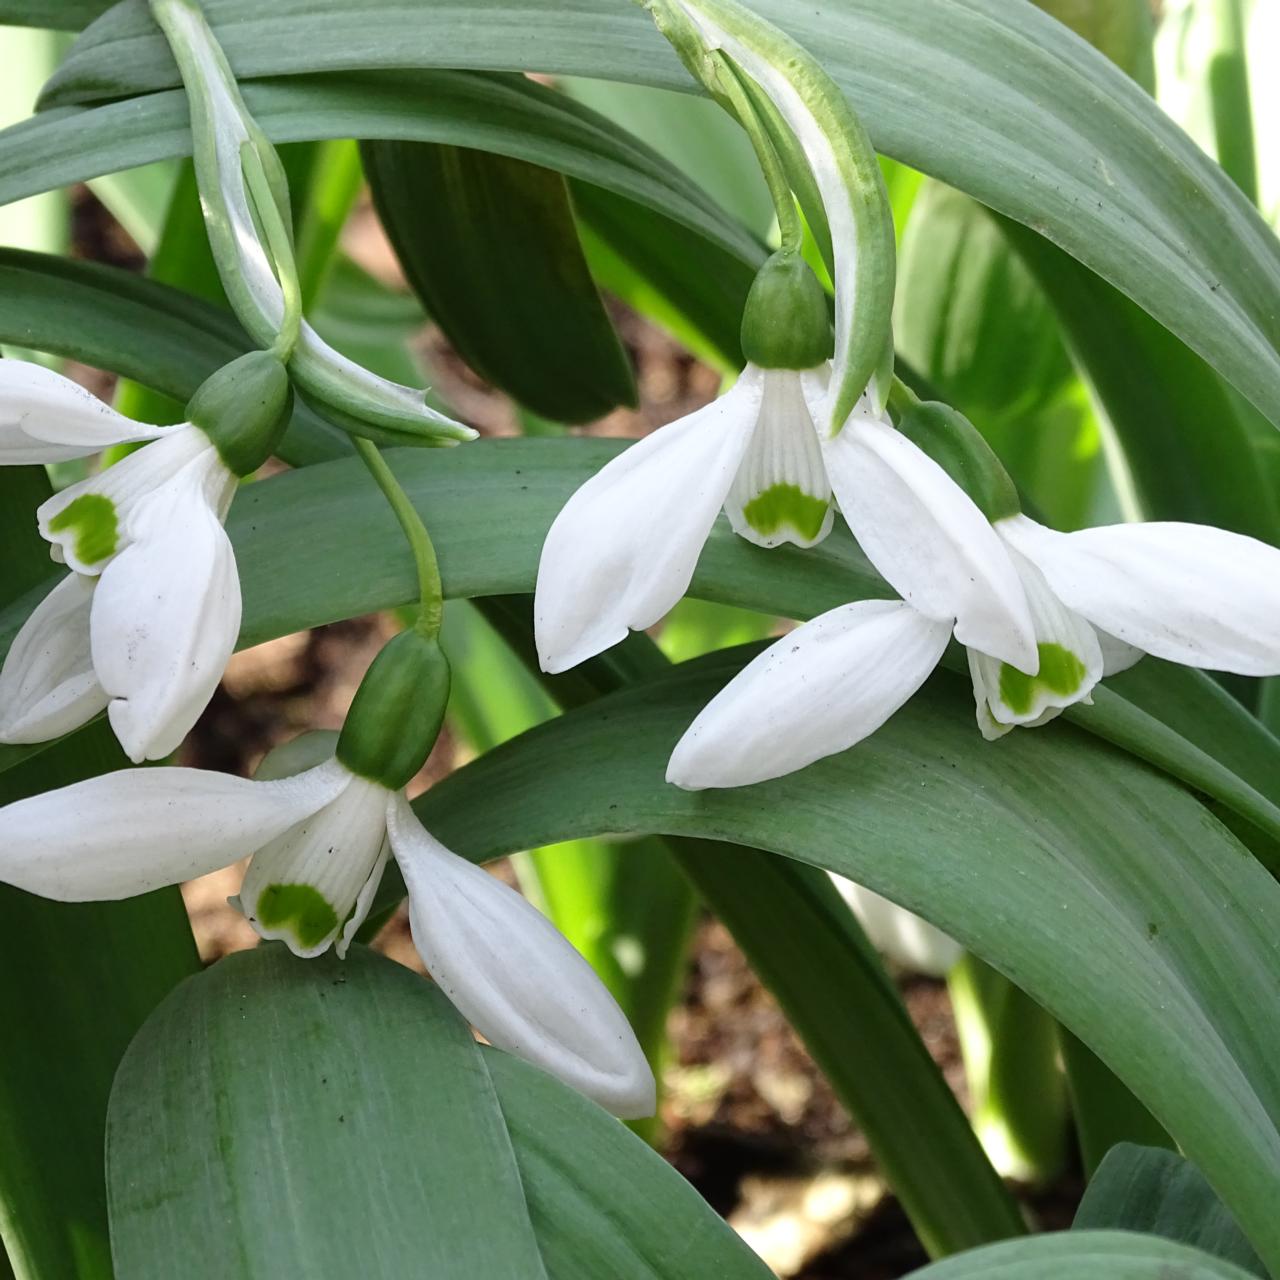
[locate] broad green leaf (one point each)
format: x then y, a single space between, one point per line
833 990
60 15
360 1130
507 115
1064 142
1158 1193
78 981
836 995
1104 891
1089 1255
489 245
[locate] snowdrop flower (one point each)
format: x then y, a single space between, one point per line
1097 600
623 549
150 613
897 933
319 842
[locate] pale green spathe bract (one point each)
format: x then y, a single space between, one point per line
838 154
222 128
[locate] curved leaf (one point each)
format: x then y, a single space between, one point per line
1087 1255
1104 891
360 1130
489 245
1064 141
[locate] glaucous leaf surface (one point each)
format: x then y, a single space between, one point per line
1065 141
361 1130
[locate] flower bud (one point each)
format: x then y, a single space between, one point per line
244 409
398 709
786 323
956 445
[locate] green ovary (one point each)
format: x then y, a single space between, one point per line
92 518
300 909
1061 673
786 504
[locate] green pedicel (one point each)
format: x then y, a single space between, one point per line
93 518
1061 672
300 909
786 504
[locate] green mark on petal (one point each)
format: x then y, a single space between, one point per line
300 909
1061 672
786 504
92 519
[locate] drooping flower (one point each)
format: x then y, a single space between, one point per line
1098 600
146 621
623 549
318 843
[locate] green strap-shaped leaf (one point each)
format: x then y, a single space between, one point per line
489 245
1054 135
1157 1192
1104 891
278 1117
1088 1255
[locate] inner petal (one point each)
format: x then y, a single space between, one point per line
305 887
1071 660
781 493
87 523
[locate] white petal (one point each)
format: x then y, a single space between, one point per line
140 829
899 934
307 886
623 549
513 975
48 686
1070 660
927 538
45 417
818 690
88 522
166 617
1116 655
781 493
1184 592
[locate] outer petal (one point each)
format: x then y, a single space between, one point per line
927 538
781 492
87 523
130 832
166 617
818 690
897 933
307 886
1070 661
48 686
513 975
623 549
45 417
1184 592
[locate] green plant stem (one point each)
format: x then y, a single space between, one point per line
279 245
1229 95
790 228
430 589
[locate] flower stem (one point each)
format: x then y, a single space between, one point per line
430 588
280 247
728 80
